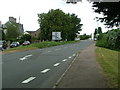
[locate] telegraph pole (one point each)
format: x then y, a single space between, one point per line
19 19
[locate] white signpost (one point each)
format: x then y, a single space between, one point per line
56 36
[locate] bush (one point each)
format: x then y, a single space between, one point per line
110 40
103 42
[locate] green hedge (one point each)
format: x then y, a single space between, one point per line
110 39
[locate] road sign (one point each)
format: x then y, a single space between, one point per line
56 36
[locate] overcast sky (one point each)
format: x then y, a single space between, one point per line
28 10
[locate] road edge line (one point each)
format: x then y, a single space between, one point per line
56 84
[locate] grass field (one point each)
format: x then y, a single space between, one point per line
37 45
108 60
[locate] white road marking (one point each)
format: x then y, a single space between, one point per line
25 57
28 56
49 51
57 49
56 64
70 57
28 80
64 60
22 58
44 71
73 54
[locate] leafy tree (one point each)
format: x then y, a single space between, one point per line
26 37
12 31
76 26
99 30
84 36
96 31
58 21
110 39
111 12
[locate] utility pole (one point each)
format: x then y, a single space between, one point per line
19 19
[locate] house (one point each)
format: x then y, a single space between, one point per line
13 21
33 33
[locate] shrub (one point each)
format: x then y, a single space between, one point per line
111 39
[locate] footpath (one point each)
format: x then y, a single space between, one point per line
84 72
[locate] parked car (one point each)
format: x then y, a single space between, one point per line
14 44
3 45
26 43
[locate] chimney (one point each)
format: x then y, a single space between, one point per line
12 19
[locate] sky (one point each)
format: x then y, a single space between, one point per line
27 10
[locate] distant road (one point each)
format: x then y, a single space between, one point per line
39 68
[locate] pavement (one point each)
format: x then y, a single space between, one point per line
84 72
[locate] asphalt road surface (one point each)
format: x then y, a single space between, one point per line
39 68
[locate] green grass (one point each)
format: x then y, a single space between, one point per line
37 45
108 60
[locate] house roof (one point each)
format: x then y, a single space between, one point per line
2 26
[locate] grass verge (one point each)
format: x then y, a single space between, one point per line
36 46
108 60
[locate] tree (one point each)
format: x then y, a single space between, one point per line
84 36
76 26
58 21
96 31
26 37
111 12
99 30
12 31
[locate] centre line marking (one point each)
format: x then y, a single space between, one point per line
46 70
22 58
70 57
56 64
73 54
64 60
49 51
28 80
25 57
28 55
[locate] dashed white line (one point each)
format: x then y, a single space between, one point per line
49 51
56 64
57 49
28 56
70 57
64 60
73 54
25 57
28 80
46 70
22 58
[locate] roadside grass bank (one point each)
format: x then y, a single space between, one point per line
108 60
37 45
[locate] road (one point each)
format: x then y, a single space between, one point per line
39 68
